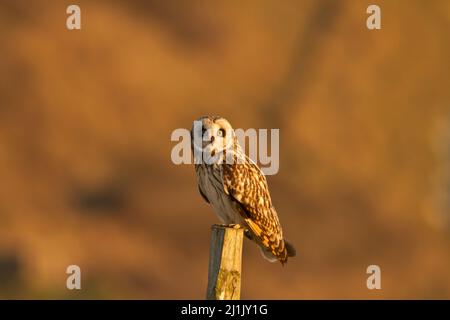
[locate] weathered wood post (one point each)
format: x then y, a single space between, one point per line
225 256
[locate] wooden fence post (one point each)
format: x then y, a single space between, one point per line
224 274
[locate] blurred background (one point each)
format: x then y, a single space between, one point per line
86 116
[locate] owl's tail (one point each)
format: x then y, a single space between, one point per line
273 250
281 253
290 249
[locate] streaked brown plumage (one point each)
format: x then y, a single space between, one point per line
237 190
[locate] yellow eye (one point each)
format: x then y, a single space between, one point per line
221 133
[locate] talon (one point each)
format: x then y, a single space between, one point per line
232 225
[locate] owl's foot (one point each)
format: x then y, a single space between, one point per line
234 226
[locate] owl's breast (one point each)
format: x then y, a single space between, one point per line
209 178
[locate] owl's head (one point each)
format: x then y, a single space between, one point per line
211 135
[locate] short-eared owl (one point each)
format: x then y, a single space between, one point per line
235 187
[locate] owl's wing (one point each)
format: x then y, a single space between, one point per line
247 187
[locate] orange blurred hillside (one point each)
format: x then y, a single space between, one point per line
86 117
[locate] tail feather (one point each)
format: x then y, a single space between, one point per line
274 252
282 252
291 252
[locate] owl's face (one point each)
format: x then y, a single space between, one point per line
211 135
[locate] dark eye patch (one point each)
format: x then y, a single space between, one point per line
222 132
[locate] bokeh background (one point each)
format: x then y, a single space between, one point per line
86 117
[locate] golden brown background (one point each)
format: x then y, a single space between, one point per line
85 123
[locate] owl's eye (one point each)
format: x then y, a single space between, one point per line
221 133
203 131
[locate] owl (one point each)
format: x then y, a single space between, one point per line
235 187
